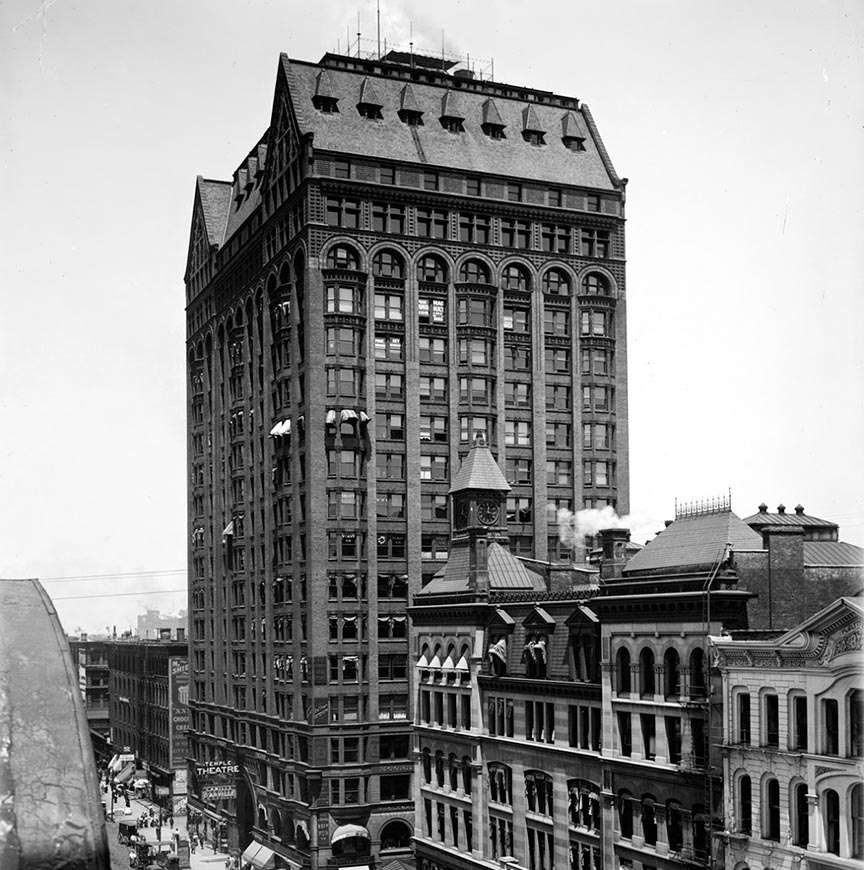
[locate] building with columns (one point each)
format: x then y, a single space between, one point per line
793 744
408 256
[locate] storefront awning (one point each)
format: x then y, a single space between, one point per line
347 414
126 774
330 419
345 832
264 858
250 852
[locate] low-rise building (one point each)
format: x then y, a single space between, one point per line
792 743
90 661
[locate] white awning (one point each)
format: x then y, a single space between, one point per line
331 417
264 858
228 531
276 427
448 665
499 650
347 414
344 832
364 417
250 852
462 664
422 662
285 429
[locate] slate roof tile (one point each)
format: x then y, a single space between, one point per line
832 553
215 197
408 101
369 93
480 471
572 127
530 121
491 115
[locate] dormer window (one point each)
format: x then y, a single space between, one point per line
411 118
532 131
452 125
574 143
326 105
534 137
369 111
369 105
494 131
452 115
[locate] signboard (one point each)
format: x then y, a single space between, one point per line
207 771
218 792
178 712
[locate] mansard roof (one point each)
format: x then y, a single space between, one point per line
471 150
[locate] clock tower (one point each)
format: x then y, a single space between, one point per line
478 497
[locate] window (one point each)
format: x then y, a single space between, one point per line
515 234
771 809
472 186
471 427
592 202
556 322
493 131
432 350
519 509
538 793
388 385
593 322
516 319
671 673
433 467
518 470
390 466
673 738
745 805
557 397
622 671
433 506
389 427
474 229
389 347
743 701
558 434
344 382
474 391
557 360
475 312
595 243
473 272
342 342
515 278
798 717
517 394
649 821
392 667
342 257
559 472
500 784
431 223
770 720
831 727
433 429
434 547
388 306
698 683
625 814
500 717
431 309
341 169
856 806
514 192
555 240
430 181
342 212
432 268
344 545
387 175
388 218
433 389
856 724
595 285
476 352
517 358
344 299
647 686
344 504
675 826
800 812
517 433
391 545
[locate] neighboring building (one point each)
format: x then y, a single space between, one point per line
153 625
149 694
793 744
50 809
90 659
406 258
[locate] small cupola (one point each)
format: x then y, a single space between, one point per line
493 124
452 114
763 508
409 108
370 103
799 509
781 508
325 99
532 131
573 133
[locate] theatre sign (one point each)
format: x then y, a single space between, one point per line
216 780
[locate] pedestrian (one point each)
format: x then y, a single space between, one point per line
192 844
126 798
170 820
158 831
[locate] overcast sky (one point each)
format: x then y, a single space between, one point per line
738 123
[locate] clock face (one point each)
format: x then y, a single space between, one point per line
487 512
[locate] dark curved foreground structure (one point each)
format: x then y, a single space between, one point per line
50 810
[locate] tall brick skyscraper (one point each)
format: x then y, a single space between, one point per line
407 258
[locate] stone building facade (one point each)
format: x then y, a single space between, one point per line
407 258
793 744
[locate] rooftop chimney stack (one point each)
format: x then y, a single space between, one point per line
781 508
763 508
613 542
799 509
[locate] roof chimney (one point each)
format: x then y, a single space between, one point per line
781 508
799 509
614 545
463 74
763 508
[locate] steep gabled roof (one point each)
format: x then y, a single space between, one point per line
215 199
691 543
491 115
480 471
472 150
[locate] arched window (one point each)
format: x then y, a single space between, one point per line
700 822
538 792
856 723
388 264
745 805
515 278
831 820
466 774
500 783
856 828
396 835
647 685
697 673
453 770
427 766
622 671
583 804
649 820
799 811
285 274
556 283
473 272
674 825
439 769
343 257
595 284
771 810
625 814
671 673
432 268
